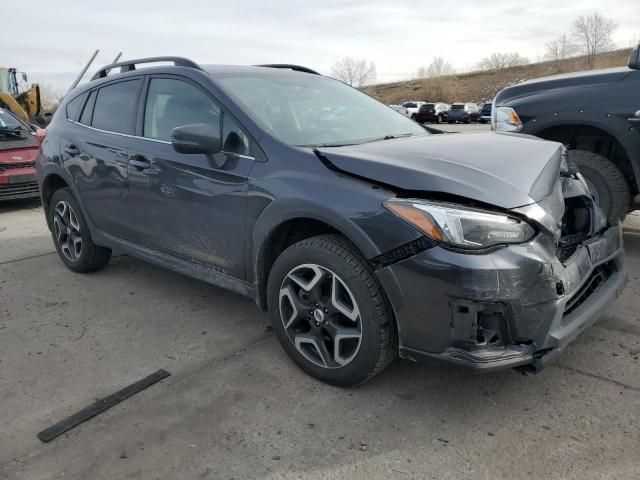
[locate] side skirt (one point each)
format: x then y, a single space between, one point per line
185 267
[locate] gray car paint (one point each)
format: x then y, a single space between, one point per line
345 189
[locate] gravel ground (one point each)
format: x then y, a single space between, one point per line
236 407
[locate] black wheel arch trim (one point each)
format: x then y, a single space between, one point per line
632 151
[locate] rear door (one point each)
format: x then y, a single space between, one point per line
95 153
183 204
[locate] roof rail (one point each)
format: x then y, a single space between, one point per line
130 65
297 68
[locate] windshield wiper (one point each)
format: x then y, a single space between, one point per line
399 135
15 132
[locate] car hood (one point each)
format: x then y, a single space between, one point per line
501 169
569 80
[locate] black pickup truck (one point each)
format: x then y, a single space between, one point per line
596 114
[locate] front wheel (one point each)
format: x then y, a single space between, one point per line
329 311
607 183
71 235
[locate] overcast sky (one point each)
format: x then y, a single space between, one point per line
399 36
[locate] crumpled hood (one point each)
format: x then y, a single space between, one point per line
501 169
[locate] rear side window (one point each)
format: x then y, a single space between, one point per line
87 111
73 107
409 105
172 103
115 107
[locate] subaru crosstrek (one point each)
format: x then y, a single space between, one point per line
363 233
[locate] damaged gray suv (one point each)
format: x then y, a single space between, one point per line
365 235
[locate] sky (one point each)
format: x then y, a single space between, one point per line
399 36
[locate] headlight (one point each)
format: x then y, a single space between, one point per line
460 226
505 119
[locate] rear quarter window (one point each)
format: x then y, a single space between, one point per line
73 107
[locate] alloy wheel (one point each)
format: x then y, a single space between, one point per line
320 316
67 230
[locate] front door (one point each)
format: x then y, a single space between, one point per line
183 204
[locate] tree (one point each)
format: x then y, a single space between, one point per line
354 72
593 34
559 49
439 68
502 60
50 96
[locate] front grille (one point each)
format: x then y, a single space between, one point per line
19 190
14 166
597 278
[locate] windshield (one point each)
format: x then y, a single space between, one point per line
312 110
8 121
457 107
4 80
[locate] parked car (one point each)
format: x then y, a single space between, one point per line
364 240
412 108
400 109
485 113
18 150
463 112
596 114
433 113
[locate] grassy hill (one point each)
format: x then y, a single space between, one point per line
483 85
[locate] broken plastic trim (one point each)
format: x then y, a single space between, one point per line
403 252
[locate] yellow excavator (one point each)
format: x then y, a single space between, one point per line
23 103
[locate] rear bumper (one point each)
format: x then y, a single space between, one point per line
518 306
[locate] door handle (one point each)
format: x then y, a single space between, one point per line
72 149
139 162
635 118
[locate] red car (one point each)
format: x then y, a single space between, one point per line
19 145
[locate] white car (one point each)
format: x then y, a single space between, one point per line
400 109
412 107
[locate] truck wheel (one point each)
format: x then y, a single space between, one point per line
329 311
71 235
606 181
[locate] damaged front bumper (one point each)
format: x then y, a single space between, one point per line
517 306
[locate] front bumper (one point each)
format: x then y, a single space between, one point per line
517 306
18 183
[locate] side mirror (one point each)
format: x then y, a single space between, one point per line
634 58
200 138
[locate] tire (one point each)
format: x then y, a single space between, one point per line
611 188
71 235
333 265
413 117
439 119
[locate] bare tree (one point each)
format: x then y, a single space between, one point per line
560 48
502 60
50 96
439 68
593 34
354 72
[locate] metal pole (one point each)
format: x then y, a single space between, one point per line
115 60
84 70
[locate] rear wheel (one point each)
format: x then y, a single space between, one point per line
329 312
413 117
439 119
71 235
606 181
